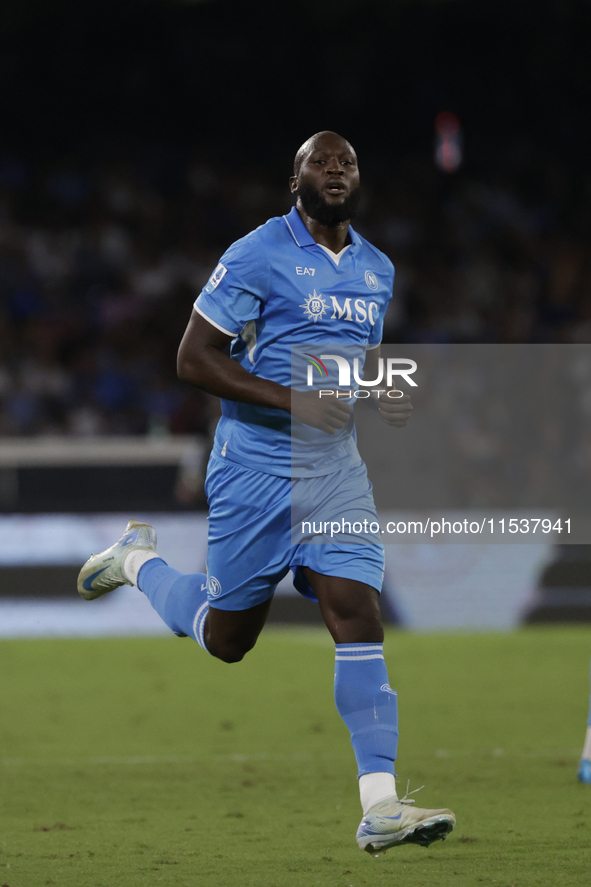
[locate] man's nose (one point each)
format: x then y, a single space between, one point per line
334 168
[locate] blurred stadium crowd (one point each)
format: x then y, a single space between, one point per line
99 267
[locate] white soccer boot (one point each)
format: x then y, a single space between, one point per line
104 572
392 822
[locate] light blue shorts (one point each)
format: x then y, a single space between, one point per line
255 534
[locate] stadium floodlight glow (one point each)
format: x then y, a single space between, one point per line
448 142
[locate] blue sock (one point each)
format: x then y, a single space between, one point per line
179 599
367 705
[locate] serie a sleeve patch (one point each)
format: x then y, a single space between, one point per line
215 278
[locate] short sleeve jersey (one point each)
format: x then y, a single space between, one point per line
276 289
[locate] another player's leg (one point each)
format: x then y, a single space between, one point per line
368 706
585 762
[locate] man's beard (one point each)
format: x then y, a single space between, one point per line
317 207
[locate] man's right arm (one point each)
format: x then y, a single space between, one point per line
202 362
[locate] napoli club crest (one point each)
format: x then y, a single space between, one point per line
371 280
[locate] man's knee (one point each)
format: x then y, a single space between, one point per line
228 655
350 609
229 635
227 651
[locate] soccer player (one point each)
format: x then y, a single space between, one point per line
585 762
304 279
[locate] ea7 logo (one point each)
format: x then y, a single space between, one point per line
387 368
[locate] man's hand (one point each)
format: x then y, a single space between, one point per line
395 409
328 414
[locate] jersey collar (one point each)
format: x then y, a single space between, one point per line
302 236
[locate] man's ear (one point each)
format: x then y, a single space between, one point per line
293 184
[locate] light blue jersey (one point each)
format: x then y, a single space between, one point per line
277 289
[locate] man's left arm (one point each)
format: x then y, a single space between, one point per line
394 407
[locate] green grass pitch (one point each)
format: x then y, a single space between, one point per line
127 763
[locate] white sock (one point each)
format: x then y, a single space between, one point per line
374 787
134 561
587 747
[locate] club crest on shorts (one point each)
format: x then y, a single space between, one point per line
214 586
314 307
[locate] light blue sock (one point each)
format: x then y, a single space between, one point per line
367 705
179 599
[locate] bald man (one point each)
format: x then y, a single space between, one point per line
285 457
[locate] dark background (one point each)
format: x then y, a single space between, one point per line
138 139
246 82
